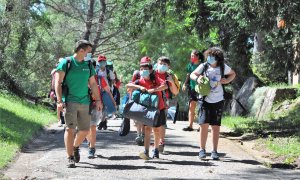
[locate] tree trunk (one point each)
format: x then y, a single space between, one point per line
89 20
258 42
100 25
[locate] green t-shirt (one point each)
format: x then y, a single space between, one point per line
77 80
190 68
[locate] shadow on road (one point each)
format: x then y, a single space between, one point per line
116 167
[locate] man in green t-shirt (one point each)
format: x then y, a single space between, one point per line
196 58
79 77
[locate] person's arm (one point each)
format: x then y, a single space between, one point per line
159 88
196 75
59 77
135 86
95 91
172 86
230 77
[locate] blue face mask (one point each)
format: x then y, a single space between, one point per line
88 57
163 68
102 63
211 60
145 73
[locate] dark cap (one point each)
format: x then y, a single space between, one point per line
82 44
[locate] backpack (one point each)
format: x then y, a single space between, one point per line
176 82
107 75
204 87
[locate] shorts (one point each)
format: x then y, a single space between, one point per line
161 121
193 95
96 117
77 115
211 113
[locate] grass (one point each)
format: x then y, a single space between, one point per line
288 147
18 123
239 124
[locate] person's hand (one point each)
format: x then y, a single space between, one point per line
60 106
224 81
184 88
199 79
143 89
170 79
99 105
151 91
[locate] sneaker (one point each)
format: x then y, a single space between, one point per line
161 147
76 154
155 153
71 162
91 153
202 154
144 156
105 125
214 155
100 126
188 129
198 130
140 140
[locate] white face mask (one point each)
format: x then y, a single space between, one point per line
88 57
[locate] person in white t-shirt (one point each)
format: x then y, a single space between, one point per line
212 108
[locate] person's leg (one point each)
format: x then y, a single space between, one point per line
215 137
156 131
192 113
69 141
203 135
145 155
162 133
92 136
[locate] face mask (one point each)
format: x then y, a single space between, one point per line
194 59
102 64
211 60
145 73
88 57
163 68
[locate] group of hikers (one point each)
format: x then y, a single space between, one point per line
86 92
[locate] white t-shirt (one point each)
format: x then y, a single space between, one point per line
214 76
104 75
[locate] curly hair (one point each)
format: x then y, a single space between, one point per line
218 53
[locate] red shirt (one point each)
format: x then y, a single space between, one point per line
163 76
148 84
103 84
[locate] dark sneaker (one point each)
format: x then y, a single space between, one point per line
198 130
188 129
71 162
76 154
144 155
161 147
140 140
100 126
214 155
105 125
202 154
91 153
155 153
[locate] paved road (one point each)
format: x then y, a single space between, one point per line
117 158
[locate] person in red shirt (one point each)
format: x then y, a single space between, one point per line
151 85
96 116
163 65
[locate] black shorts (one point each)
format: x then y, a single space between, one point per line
193 95
161 121
211 113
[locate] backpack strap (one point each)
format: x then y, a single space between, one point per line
108 76
204 69
68 66
222 69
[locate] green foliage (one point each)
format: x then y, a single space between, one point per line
19 122
287 147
